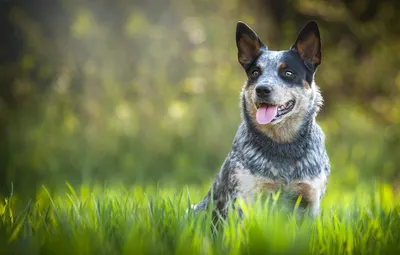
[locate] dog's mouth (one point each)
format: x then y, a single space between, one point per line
267 113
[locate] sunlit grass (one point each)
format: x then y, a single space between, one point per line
149 220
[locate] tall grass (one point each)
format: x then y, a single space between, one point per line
150 220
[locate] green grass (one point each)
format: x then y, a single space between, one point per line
149 220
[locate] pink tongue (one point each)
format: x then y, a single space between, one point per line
265 114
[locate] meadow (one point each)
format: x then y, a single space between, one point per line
115 115
152 220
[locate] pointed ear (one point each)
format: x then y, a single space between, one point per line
248 44
308 44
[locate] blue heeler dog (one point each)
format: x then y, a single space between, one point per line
278 144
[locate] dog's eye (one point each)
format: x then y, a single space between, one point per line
288 73
255 73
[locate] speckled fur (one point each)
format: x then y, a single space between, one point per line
289 155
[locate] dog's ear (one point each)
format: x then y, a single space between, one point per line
248 44
308 44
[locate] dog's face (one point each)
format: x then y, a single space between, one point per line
280 91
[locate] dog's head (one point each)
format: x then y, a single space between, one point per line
280 92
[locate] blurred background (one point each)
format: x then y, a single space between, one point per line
147 92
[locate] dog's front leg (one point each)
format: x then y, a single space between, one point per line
315 206
311 199
221 193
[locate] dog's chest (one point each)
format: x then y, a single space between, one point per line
250 186
282 166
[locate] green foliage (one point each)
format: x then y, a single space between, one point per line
140 92
153 221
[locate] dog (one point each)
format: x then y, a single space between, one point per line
278 146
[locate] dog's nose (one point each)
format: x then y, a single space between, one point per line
263 90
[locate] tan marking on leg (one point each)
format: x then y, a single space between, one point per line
305 191
311 191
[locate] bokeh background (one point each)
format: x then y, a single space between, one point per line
147 92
